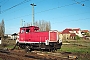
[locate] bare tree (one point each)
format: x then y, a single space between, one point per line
43 25
2 29
48 26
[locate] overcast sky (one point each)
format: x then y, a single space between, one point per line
61 13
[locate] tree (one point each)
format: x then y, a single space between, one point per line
77 37
48 26
2 29
87 34
43 25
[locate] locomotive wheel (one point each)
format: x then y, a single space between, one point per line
49 50
56 49
27 49
53 50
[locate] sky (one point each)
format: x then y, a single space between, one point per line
61 13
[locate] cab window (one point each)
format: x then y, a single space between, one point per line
27 30
23 31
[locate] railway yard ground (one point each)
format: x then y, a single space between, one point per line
70 50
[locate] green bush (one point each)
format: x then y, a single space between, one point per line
77 37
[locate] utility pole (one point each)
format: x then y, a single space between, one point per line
22 23
33 13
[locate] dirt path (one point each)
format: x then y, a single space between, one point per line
35 55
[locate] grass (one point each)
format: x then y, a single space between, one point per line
10 47
1 59
80 46
7 44
72 48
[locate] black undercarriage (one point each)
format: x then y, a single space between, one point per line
53 46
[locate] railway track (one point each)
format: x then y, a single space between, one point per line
21 55
13 55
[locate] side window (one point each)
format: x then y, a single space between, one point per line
23 30
27 30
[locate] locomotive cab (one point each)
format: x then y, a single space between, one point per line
29 29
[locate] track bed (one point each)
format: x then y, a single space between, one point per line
34 55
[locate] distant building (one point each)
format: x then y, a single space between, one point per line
8 35
86 34
12 36
70 33
85 31
60 35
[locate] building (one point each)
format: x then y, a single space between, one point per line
86 34
70 33
11 36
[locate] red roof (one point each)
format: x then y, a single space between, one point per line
67 30
78 29
59 32
85 31
72 34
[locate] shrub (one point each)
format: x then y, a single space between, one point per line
77 37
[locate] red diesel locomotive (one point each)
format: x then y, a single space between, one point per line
30 38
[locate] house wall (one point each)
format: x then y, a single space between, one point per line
14 37
60 36
11 37
66 36
79 34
